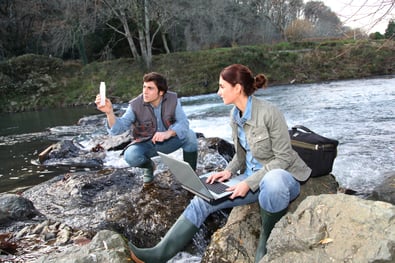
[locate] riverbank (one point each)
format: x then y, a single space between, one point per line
32 82
66 219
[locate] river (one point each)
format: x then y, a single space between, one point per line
358 113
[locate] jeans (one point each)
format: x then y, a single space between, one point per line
276 190
139 153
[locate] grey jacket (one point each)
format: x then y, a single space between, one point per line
270 144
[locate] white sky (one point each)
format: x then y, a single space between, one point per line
369 15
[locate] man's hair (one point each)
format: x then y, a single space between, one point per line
158 79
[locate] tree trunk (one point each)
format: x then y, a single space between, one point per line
128 35
164 41
148 47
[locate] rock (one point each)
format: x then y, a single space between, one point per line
69 153
15 208
386 190
335 228
106 246
112 199
237 240
115 199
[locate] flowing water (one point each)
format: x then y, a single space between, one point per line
358 113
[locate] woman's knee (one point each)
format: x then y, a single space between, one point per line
272 182
197 211
277 189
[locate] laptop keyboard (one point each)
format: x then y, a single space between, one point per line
216 187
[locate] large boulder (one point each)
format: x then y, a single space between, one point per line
237 240
335 228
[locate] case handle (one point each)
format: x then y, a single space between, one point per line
303 128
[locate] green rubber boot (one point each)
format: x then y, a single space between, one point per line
179 235
148 172
191 158
268 222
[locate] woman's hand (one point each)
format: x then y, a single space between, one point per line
219 177
240 189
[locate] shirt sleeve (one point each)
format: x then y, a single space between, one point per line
181 125
122 123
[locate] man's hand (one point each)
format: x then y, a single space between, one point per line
163 136
107 109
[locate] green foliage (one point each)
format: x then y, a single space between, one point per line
29 75
390 31
34 82
376 36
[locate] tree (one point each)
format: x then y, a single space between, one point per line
376 36
280 13
19 23
149 18
390 31
299 29
325 22
67 23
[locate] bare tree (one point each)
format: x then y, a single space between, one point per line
325 22
299 29
19 22
141 14
67 22
280 13
369 13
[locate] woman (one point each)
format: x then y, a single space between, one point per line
270 169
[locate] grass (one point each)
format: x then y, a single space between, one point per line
189 73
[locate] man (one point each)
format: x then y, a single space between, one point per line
157 122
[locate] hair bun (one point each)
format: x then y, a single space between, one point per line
261 81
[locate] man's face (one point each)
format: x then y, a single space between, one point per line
151 94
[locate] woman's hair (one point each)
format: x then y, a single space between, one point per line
240 74
158 79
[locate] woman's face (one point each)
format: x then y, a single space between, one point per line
227 92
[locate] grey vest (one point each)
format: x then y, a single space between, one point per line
145 124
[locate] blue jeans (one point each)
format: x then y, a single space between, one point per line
276 190
139 153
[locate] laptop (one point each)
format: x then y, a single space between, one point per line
189 180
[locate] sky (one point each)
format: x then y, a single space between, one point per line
369 15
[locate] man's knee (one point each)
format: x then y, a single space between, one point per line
134 158
190 143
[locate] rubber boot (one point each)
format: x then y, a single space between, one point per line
179 235
148 172
191 158
268 222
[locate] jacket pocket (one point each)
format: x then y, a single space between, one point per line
143 129
260 143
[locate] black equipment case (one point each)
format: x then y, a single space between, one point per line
317 151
